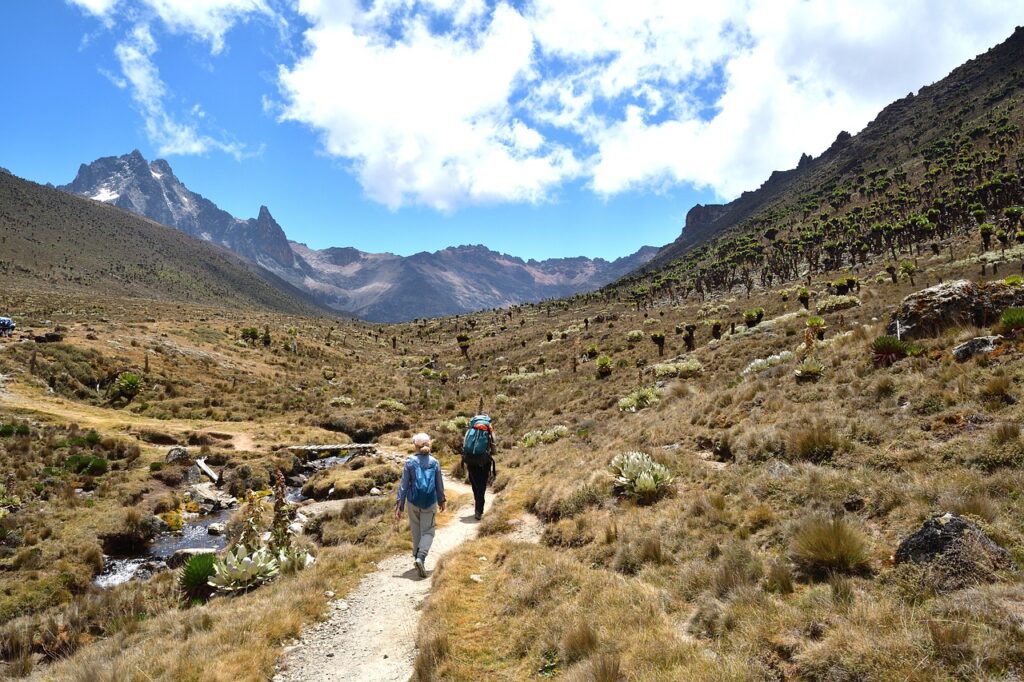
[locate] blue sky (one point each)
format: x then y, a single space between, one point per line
540 128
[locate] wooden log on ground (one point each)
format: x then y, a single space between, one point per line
214 476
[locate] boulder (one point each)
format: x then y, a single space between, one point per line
217 528
958 552
211 499
177 455
959 303
979 344
181 556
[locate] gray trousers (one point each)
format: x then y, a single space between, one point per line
421 523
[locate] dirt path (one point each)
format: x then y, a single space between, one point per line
371 635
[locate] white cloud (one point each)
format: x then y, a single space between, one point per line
452 102
205 20
208 20
425 118
149 92
637 95
810 70
100 8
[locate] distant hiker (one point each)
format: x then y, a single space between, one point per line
478 455
423 488
6 326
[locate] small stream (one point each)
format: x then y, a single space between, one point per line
194 535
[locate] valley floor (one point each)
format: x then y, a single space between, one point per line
769 556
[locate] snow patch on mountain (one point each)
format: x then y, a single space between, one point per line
105 194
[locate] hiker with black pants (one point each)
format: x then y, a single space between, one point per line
478 456
422 487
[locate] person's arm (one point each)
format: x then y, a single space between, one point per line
439 485
403 489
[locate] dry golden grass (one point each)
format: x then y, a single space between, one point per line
701 585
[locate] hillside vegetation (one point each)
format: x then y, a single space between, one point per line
728 482
942 163
52 241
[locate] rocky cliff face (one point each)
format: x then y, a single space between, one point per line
152 190
897 133
380 287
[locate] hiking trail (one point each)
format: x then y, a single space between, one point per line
370 636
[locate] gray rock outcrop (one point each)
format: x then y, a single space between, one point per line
960 303
181 556
177 455
979 344
958 552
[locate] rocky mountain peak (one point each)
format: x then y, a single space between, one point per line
152 190
378 287
162 167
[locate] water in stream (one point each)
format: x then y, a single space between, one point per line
194 535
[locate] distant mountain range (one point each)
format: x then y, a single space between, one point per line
380 287
53 241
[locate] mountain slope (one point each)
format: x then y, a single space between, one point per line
390 288
379 287
53 240
931 152
152 190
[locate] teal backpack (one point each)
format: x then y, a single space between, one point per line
476 446
424 486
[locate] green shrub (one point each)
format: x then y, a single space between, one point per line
810 369
821 546
6 430
86 464
637 475
127 386
242 569
836 303
604 367
194 576
682 369
888 349
391 405
815 322
640 399
1012 320
457 424
544 435
634 337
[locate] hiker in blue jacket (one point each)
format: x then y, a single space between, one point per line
422 487
478 456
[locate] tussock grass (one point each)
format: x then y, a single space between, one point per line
821 545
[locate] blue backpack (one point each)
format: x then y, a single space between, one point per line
424 485
476 446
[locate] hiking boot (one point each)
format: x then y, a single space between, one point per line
477 515
420 568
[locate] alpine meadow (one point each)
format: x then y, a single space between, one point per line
784 446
